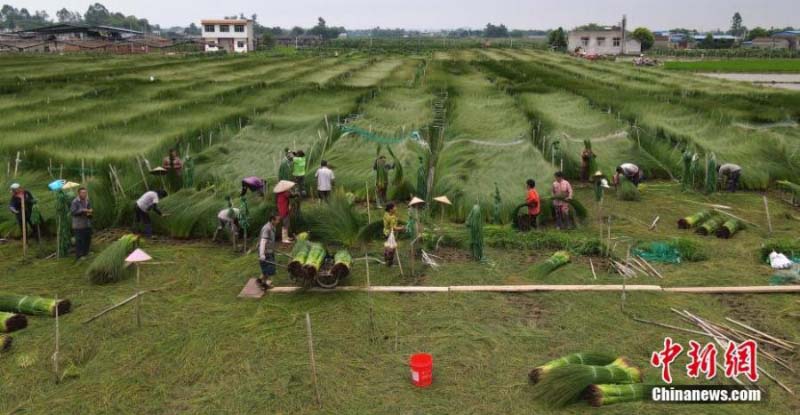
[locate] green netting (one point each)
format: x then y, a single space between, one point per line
376 138
659 252
784 279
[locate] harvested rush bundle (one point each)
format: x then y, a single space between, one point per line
600 395
595 359
710 226
627 190
5 343
12 322
109 266
299 255
729 228
27 304
314 260
342 262
566 384
475 225
557 260
694 220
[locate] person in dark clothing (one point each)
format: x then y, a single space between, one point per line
81 211
15 205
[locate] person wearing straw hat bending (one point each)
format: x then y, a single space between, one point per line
390 226
283 196
562 194
18 193
266 252
147 202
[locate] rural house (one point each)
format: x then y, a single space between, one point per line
229 35
770 43
791 36
607 41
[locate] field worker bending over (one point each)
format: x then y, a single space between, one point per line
253 184
228 218
731 173
146 203
631 172
562 194
325 178
266 251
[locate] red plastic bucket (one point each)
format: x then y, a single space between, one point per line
421 369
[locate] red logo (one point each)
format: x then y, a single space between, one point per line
665 357
703 360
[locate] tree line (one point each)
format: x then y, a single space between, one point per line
13 19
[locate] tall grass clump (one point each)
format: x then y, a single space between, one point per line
110 266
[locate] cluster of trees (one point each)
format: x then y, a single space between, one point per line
12 18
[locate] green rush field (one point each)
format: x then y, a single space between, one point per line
738 65
461 122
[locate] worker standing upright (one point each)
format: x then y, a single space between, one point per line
325 178
562 195
730 173
534 205
283 196
286 166
266 252
81 211
587 159
381 167
299 171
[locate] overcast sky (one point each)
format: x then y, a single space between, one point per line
432 14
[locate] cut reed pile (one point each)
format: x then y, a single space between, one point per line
566 384
556 261
10 322
591 358
33 305
109 266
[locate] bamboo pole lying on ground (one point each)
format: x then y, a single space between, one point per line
768 289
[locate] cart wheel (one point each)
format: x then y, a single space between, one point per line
327 280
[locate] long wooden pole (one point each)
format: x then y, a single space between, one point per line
24 228
141 170
138 298
369 213
58 340
313 360
766 210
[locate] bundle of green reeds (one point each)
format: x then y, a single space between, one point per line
299 255
601 395
338 221
729 228
597 359
565 384
342 262
314 260
110 265
627 190
29 304
475 225
5 343
557 260
710 226
12 322
694 220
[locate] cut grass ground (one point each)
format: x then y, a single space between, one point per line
737 65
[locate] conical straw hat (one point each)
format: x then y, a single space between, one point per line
158 171
283 186
443 200
70 185
138 256
416 201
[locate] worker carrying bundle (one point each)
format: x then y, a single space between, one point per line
562 195
631 172
730 173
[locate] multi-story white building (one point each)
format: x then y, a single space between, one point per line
230 35
610 41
